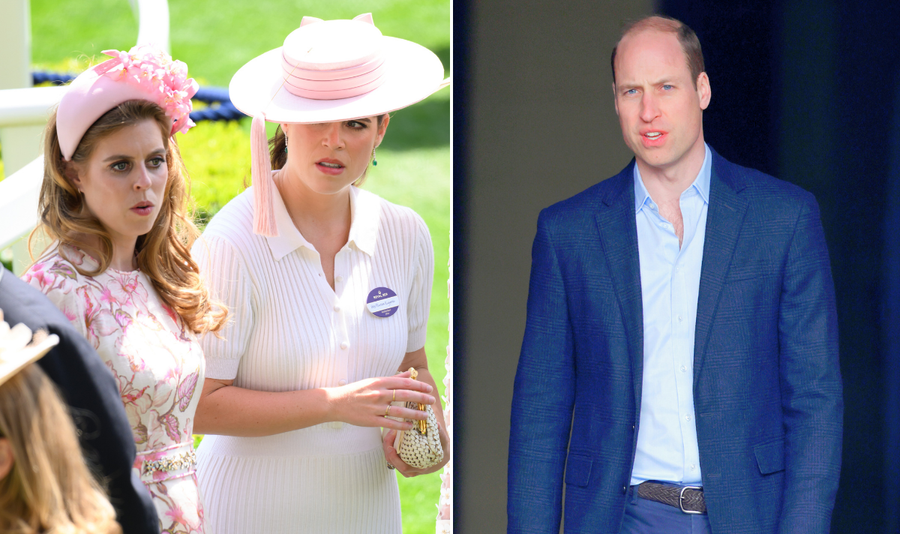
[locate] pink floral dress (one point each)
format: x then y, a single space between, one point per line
158 364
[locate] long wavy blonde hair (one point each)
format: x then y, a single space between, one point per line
49 489
163 254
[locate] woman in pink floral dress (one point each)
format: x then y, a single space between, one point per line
113 200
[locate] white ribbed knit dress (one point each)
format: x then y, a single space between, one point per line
291 331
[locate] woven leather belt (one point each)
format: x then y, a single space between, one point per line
688 499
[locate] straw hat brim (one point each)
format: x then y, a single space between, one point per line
412 73
12 361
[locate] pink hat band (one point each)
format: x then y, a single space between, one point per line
332 84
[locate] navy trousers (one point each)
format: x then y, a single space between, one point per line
651 517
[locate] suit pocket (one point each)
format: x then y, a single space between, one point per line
578 470
770 456
745 273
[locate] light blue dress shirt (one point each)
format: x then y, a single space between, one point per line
670 283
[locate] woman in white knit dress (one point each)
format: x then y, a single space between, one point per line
301 383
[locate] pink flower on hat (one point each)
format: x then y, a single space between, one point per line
142 73
155 73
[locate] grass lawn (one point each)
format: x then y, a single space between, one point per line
215 38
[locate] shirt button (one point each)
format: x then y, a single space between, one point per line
342 382
687 417
344 345
680 318
338 279
683 368
693 467
337 308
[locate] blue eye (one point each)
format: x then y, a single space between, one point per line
667 87
631 92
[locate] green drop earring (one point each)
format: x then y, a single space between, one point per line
374 161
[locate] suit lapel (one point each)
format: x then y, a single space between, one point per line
723 224
618 239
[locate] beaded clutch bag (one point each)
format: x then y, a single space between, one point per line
421 446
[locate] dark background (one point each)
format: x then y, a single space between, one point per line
806 91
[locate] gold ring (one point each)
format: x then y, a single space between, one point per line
394 396
387 410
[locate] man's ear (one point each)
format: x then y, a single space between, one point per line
703 90
615 100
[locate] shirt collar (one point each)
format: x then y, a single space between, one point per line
364 215
700 184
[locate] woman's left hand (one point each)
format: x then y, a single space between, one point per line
390 454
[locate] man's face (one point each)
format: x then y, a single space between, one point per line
659 109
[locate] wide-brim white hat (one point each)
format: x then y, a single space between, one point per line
410 73
327 71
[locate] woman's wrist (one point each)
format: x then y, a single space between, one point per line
334 403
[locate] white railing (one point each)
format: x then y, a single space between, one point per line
24 111
18 203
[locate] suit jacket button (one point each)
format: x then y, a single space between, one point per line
624 489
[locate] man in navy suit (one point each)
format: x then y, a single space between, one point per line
91 392
679 371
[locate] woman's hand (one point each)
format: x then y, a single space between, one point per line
390 454
368 402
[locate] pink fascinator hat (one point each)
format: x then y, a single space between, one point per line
142 73
327 71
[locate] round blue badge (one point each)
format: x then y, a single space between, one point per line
382 302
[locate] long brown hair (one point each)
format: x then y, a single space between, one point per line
49 489
163 254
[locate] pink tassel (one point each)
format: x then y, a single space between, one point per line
261 172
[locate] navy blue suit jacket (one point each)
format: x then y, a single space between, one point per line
93 397
767 386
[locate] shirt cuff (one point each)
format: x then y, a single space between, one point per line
416 339
222 369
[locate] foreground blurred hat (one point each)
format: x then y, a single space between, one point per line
142 73
327 71
18 348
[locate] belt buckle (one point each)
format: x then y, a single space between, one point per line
681 499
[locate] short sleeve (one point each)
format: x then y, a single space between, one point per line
225 275
58 280
420 289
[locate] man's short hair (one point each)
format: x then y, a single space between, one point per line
690 44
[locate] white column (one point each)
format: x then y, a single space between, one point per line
20 144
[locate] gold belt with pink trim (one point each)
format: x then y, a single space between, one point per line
165 464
